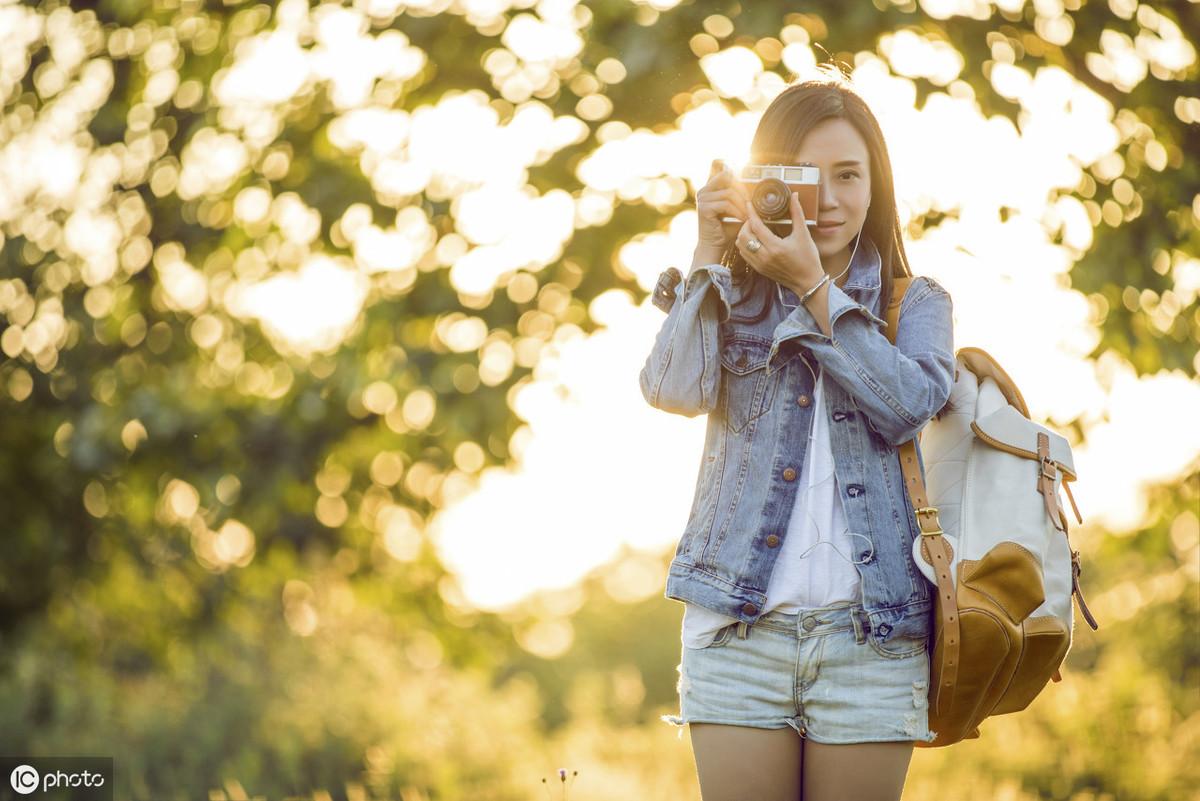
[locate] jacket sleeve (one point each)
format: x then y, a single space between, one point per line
682 374
898 387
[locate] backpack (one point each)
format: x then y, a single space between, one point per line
993 541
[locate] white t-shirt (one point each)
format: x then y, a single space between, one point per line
815 566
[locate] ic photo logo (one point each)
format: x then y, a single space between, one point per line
24 779
58 778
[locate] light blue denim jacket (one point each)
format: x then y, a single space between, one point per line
755 381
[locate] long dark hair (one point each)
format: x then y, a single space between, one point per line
796 111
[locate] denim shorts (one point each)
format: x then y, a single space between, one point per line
816 671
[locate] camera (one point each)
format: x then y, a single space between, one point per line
769 186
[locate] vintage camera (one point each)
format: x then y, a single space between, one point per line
768 187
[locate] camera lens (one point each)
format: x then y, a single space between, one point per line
770 198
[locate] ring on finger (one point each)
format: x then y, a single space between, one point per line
753 245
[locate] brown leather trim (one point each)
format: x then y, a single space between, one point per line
981 363
1046 476
1076 569
935 549
891 314
1046 640
1009 576
1068 475
995 595
937 552
1066 485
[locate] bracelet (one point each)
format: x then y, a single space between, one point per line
810 292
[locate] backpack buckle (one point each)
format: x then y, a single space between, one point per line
927 510
1049 468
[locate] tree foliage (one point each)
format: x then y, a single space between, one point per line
209 524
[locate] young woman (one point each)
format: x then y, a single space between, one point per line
804 668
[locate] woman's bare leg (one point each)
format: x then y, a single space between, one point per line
862 772
742 763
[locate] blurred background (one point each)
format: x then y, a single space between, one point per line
324 470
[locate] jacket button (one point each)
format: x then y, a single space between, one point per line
803 400
884 630
839 416
789 474
854 490
772 541
749 609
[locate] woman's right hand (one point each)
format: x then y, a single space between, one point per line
721 197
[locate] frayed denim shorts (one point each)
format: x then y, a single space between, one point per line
815 671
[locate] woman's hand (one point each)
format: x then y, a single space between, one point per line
793 261
721 197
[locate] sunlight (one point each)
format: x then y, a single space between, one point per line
396 249
269 69
321 326
304 312
550 527
732 72
456 173
915 56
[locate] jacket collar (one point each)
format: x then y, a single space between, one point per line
865 268
863 284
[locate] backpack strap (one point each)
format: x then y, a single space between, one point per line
934 547
892 315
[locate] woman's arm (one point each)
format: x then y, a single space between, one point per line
682 374
899 387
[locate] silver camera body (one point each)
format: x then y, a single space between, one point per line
769 186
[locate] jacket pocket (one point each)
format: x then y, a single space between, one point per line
746 390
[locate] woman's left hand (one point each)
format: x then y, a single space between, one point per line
793 261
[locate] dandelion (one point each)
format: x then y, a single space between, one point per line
562 778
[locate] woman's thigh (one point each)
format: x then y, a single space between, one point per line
863 771
737 763
742 763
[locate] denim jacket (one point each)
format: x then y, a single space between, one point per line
755 382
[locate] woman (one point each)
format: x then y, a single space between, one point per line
804 668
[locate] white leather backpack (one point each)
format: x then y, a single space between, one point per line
994 542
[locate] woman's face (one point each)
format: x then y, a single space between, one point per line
838 149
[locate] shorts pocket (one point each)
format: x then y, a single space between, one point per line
899 646
907 638
721 638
